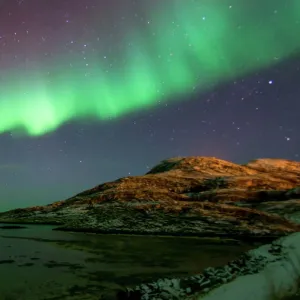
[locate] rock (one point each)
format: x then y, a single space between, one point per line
200 196
12 227
7 261
271 271
277 278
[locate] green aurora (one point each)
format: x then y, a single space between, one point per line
185 47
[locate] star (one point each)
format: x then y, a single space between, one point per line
90 90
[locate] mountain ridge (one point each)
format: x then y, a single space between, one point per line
198 195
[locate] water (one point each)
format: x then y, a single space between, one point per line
37 263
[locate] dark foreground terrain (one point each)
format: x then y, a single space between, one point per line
40 263
226 207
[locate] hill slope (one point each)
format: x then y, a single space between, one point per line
202 196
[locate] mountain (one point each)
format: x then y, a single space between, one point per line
201 196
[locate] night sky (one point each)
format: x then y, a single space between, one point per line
94 90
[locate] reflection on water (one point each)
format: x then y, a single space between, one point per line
37 263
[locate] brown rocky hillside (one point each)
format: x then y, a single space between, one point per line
185 196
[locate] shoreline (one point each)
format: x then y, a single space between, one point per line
211 280
232 237
272 270
20 222
215 237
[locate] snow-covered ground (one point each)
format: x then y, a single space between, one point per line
268 272
277 280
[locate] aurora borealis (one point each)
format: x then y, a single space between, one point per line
94 90
182 46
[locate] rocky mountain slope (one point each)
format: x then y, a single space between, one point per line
202 196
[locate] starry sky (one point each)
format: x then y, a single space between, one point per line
94 90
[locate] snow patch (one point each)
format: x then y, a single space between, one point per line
279 278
